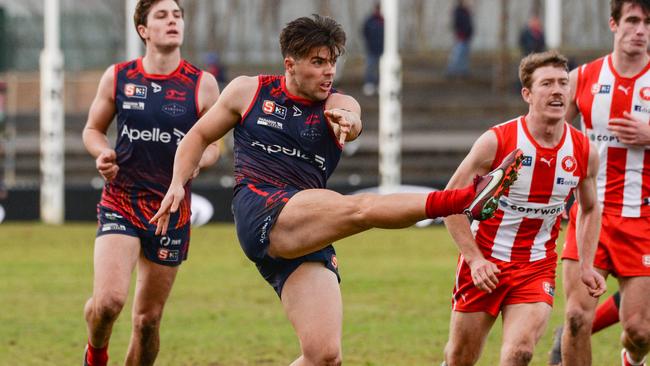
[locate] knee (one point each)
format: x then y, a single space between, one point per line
578 320
460 356
520 354
147 323
358 209
324 354
108 308
637 333
521 357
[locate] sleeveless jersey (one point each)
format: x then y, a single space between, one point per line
527 222
284 140
623 176
154 112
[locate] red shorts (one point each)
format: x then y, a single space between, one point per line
519 283
623 248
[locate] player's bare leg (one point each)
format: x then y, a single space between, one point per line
154 283
578 316
467 335
114 259
312 301
635 316
326 216
523 326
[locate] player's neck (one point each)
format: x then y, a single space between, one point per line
161 63
546 132
627 65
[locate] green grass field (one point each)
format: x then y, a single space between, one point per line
396 291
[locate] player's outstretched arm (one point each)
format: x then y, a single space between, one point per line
343 113
588 227
478 161
212 126
100 116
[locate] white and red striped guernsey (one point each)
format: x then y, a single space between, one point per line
526 225
623 175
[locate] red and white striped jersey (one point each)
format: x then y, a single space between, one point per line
623 175
526 225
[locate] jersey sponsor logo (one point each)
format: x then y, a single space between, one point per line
312 120
566 182
174 109
167 255
317 160
646 260
113 226
113 216
644 93
135 91
549 289
270 123
311 133
625 90
134 106
638 108
600 89
548 161
179 135
153 135
527 161
569 164
335 262
173 94
536 211
602 138
272 108
296 111
166 241
156 87
264 230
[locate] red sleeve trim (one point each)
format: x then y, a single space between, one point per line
197 93
252 103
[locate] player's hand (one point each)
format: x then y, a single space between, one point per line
630 130
336 116
106 164
594 281
484 274
168 206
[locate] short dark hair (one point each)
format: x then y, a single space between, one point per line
300 36
616 7
534 61
142 11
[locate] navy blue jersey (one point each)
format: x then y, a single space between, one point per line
154 112
284 140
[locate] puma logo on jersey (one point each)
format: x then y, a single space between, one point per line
547 161
624 89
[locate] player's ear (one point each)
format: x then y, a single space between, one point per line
142 31
525 93
289 63
613 26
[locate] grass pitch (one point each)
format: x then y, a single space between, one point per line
396 291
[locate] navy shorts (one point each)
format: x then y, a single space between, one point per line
169 249
256 207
